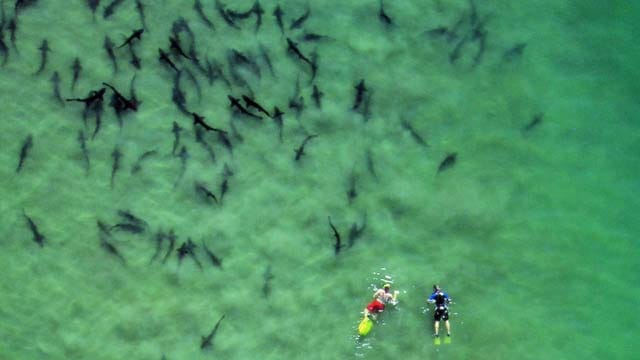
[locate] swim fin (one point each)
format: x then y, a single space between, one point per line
447 340
436 341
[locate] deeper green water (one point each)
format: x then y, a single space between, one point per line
533 234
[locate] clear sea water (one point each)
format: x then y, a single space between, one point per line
533 233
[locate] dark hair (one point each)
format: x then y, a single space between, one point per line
436 287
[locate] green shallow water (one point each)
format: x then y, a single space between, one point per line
534 234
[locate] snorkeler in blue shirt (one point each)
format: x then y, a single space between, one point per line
441 311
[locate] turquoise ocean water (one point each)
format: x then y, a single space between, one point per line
532 232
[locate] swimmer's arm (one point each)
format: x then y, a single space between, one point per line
447 298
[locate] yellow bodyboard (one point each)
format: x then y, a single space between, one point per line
365 326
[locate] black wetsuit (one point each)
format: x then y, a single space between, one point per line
441 311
